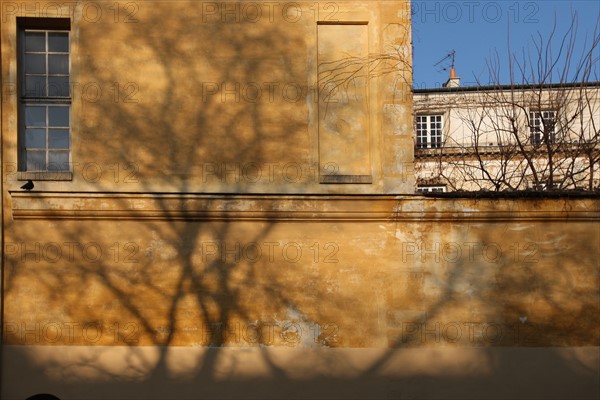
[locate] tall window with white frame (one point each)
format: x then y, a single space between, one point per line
429 131
431 189
44 95
542 127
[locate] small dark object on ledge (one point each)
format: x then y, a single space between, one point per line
28 186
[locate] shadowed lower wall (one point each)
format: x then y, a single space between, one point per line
292 290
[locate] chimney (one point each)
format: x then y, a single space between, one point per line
453 81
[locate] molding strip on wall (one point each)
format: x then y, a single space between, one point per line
313 208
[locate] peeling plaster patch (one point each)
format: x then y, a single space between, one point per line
400 236
519 227
246 205
554 240
355 279
332 285
138 204
374 252
298 330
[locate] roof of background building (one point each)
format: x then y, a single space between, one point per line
505 87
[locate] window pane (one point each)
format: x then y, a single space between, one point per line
58 139
36 161
58 42
35 64
58 116
35 86
35 138
58 161
58 86
45 72
35 116
35 41
58 64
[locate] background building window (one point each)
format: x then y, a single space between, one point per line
429 131
540 123
45 96
431 189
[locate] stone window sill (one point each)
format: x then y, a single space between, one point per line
46 176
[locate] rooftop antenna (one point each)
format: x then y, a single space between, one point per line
442 65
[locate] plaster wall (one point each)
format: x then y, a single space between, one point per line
185 290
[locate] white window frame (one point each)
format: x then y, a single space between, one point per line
429 131
538 120
53 94
431 189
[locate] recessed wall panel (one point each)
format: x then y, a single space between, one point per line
343 51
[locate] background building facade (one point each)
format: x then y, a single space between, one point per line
517 137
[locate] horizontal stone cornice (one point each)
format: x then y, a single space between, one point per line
315 208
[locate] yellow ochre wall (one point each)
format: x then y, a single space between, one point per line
261 97
323 296
225 237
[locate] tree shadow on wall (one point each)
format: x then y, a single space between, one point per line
177 293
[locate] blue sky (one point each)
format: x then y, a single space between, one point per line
477 29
